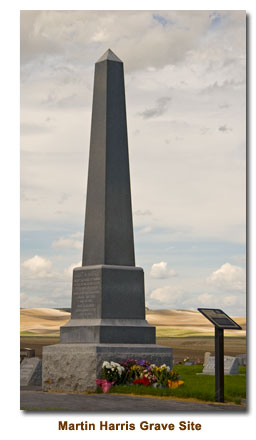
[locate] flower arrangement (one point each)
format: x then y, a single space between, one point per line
162 374
137 372
112 372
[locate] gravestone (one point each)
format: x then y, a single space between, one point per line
108 299
206 356
241 359
31 371
230 365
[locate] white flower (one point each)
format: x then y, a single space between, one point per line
106 364
115 364
120 369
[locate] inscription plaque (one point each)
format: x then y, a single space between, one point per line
86 293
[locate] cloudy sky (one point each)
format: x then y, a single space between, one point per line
185 95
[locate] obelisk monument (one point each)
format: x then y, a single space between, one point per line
108 300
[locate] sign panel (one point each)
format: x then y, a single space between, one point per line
220 319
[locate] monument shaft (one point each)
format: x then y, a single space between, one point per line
108 233
108 300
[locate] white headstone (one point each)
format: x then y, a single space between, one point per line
230 365
206 357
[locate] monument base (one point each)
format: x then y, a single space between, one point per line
107 331
75 367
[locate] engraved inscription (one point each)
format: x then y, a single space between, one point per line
86 290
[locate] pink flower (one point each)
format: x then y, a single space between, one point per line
104 384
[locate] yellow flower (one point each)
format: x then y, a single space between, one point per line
175 383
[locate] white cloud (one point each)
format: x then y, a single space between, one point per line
164 35
206 299
213 300
67 243
160 270
171 296
37 267
229 277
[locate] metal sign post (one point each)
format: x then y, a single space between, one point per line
221 321
219 365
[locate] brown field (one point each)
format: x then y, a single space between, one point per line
187 332
42 321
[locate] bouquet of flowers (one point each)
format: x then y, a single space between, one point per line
134 369
137 372
112 372
161 373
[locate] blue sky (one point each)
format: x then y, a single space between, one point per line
185 97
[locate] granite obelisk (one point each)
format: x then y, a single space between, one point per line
108 300
108 234
108 286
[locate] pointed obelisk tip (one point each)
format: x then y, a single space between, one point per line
109 55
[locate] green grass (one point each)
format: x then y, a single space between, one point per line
195 386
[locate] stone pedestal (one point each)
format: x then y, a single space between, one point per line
75 367
108 306
107 324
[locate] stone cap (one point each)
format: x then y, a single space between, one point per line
110 56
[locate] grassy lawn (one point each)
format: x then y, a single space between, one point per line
199 387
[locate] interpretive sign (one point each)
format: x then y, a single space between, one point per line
220 319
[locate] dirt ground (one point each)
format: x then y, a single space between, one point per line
195 347
192 347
